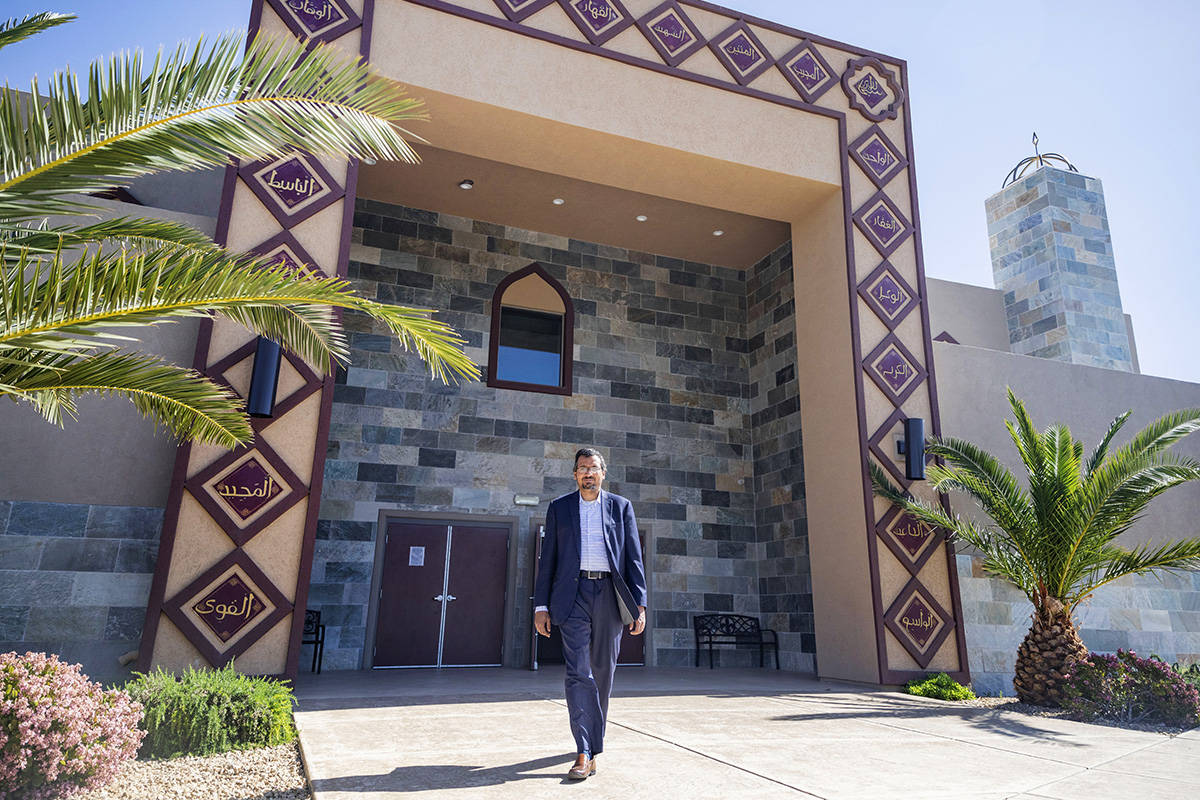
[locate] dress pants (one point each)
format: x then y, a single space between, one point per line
591 637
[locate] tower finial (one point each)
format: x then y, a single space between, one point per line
1036 162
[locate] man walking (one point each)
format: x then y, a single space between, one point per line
590 581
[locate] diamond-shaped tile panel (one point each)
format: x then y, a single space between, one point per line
228 608
741 52
283 249
248 488
671 32
909 539
293 187
888 295
894 369
881 444
312 381
517 10
882 223
227 491
918 621
598 20
877 156
807 70
872 89
319 20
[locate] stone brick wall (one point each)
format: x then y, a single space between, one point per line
1146 614
662 386
74 580
784 580
1052 256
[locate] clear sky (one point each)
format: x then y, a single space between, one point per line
1111 85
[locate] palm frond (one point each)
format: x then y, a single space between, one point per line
181 400
194 110
983 476
16 30
1101 452
1118 562
126 231
49 305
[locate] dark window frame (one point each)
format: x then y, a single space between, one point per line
568 352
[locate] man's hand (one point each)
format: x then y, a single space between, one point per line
541 622
639 624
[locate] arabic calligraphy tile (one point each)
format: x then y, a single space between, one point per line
319 20
240 498
872 89
918 621
283 249
248 488
910 540
807 71
741 52
517 10
881 221
293 187
894 369
598 20
671 32
877 156
227 608
888 295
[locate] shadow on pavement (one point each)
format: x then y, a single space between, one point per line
424 777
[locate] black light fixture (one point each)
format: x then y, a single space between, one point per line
264 379
912 447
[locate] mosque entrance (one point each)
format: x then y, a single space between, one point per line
441 594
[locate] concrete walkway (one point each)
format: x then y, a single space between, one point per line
726 733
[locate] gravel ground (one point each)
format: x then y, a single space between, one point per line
1013 704
268 773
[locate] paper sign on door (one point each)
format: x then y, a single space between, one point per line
416 556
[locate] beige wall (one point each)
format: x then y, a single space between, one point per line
110 455
971 391
973 315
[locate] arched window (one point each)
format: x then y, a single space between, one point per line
533 323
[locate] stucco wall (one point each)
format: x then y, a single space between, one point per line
1146 614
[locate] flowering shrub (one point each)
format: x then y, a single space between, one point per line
940 687
205 711
1127 688
59 732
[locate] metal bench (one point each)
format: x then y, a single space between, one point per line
735 629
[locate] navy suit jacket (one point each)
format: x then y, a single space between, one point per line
558 569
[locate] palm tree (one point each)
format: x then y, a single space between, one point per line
68 289
1056 540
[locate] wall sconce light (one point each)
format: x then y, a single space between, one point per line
912 447
264 379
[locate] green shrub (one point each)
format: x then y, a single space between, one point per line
1190 673
1130 689
940 687
204 711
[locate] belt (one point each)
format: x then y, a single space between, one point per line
593 575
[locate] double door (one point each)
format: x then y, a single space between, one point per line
442 595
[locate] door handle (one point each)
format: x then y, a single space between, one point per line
447 597
450 597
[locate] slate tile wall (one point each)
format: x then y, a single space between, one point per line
784 579
74 580
1052 255
1148 614
662 385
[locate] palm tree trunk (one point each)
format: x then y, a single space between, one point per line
1051 644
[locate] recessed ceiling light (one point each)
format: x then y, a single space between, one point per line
718 233
466 183
370 162
558 201
641 218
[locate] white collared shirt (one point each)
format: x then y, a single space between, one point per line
593 555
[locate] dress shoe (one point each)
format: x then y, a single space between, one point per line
582 769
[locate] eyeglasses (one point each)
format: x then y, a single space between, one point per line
589 470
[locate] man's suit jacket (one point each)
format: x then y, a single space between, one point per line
558 570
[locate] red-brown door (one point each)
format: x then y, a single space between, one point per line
443 593
474 629
410 618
